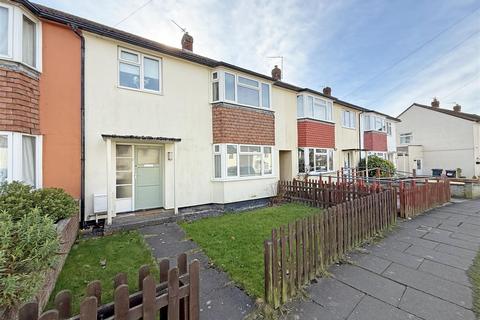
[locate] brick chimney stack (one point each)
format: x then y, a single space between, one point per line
327 91
276 73
457 108
187 42
435 103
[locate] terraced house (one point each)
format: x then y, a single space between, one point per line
140 125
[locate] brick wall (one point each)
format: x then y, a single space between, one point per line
19 94
242 125
313 133
375 141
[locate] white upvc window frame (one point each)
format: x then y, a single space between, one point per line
10 14
309 111
15 36
329 152
375 123
223 87
15 157
352 118
404 136
224 167
380 154
141 65
215 81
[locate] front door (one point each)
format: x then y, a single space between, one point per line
419 166
148 177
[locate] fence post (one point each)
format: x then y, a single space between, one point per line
63 303
267 251
194 297
28 311
88 309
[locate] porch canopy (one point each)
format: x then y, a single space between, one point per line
126 138
112 139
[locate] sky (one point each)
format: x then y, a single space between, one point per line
379 54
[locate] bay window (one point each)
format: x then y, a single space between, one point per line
319 160
5 36
348 119
241 90
20 158
138 71
29 42
389 128
375 123
314 108
20 36
238 161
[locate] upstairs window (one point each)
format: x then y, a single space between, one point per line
389 128
314 108
374 123
406 138
29 42
138 71
4 31
348 119
215 87
20 35
243 90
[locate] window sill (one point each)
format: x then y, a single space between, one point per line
319 120
233 103
159 93
316 174
351 128
243 178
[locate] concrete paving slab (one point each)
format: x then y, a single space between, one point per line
405 259
336 297
229 303
448 237
373 309
431 308
369 262
370 283
456 251
445 258
300 310
445 272
446 290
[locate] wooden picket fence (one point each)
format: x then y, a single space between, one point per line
416 198
176 297
299 252
324 194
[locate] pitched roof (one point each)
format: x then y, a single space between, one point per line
353 106
462 115
97 28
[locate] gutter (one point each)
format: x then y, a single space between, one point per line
82 123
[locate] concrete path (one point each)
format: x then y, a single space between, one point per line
219 298
418 272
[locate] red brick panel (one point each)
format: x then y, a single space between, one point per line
19 94
242 125
375 141
313 133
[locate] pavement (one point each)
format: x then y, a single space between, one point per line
220 299
419 271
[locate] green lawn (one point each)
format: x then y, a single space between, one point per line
474 274
234 242
123 252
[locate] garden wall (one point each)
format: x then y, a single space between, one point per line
67 230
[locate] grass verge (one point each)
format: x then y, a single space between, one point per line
474 274
234 242
121 252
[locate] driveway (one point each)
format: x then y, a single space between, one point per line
418 272
219 298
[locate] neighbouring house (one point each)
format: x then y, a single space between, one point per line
127 124
431 137
40 94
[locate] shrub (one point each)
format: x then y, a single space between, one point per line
18 199
386 167
55 203
28 247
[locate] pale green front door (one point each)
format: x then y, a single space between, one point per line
148 177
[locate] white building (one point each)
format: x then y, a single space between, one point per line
430 137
